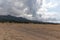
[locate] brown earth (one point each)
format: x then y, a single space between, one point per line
15 31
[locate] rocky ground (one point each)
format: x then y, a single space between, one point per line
16 31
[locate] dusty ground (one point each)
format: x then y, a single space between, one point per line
15 31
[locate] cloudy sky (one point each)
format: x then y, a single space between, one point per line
40 10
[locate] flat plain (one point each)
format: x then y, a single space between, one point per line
18 31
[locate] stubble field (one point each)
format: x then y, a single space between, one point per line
18 31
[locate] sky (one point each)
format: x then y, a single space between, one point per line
40 10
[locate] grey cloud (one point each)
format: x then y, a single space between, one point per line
23 8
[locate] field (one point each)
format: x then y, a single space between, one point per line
17 31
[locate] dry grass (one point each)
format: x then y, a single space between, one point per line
17 31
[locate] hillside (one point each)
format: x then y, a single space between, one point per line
8 18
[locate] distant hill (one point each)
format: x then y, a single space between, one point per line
8 18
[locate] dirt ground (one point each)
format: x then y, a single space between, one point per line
16 31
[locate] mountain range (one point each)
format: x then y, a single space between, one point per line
9 18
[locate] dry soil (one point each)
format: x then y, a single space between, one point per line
17 31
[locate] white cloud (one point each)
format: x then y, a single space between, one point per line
48 15
29 8
52 5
